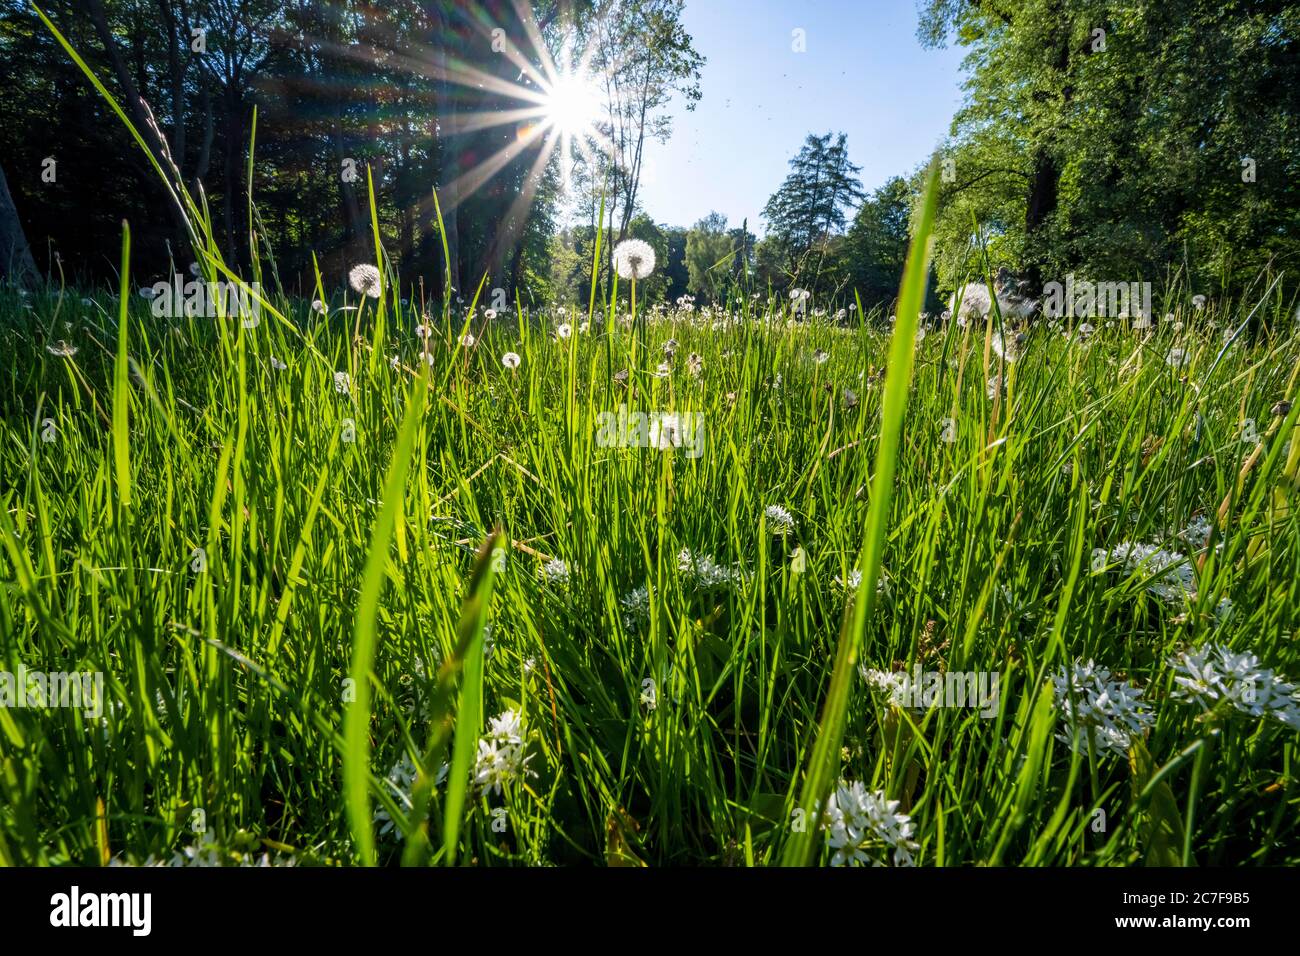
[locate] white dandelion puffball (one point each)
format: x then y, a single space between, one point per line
1198 301
563 330
510 360
634 259
365 279
343 383
468 340
317 306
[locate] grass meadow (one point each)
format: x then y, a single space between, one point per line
382 598
366 580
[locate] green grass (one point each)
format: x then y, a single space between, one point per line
327 560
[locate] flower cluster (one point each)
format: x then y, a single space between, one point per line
862 827
1107 714
501 754
705 574
1215 674
779 520
555 572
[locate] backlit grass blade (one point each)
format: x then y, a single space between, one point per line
356 733
830 731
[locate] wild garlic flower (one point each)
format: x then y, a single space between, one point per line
702 573
634 259
779 521
1172 578
863 827
501 755
364 278
401 781
1213 674
1106 714
555 572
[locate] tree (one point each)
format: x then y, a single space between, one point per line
875 249
643 56
709 252
1123 142
811 205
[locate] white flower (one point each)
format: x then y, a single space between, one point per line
1198 301
894 684
1169 576
423 331
634 259
1107 715
507 727
501 753
695 364
779 520
467 340
343 383
277 364
637 604
862 827
1177 358
510 360
364 279
555 572
821 356
563 330
853 582
705 574
490 314
649 696
401 781
1215 673
62 348
317 305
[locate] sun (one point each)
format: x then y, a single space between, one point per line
571 104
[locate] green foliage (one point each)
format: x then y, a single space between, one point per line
1113 142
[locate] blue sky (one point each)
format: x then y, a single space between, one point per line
864 73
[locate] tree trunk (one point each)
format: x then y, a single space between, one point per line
16 262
